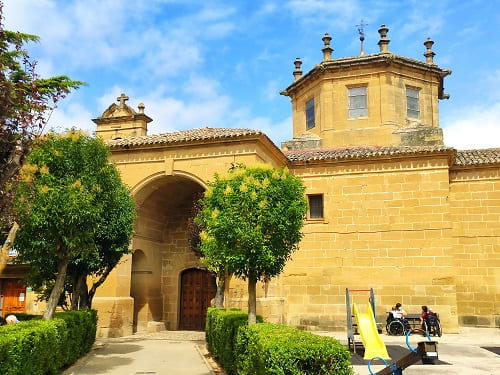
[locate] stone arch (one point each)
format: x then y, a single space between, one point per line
147 185
164 205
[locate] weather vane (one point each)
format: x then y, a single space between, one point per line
361 32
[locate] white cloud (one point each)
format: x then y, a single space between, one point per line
266 9
424 18
201 87
339 13
103 33
71 115
474 127
271 90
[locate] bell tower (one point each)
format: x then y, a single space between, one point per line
379 99
121 121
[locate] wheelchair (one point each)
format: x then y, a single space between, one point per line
397 327
432 324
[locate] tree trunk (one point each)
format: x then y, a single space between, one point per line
227 281
96 285
13 163
83 292
219 295
62 267
75 294
252 300
4 256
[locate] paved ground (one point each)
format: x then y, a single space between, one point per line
168 352
178 353
459 354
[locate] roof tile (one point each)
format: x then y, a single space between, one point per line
189 135
359 152
478 157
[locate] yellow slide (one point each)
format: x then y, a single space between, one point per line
374 346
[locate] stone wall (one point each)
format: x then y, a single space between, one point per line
475 209
387 225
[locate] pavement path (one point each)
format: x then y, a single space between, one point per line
178 353
167 352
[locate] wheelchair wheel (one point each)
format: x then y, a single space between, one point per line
425 328
396 328
406 326
436 329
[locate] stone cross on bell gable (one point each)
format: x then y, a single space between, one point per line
122 99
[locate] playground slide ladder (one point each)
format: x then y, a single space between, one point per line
350 324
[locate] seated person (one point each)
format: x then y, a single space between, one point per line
423 318
398 312
392 313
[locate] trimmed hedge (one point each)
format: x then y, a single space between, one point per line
281 350
41 347
220 333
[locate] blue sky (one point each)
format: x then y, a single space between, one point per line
222 63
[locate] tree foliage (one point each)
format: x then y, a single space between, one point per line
75 214
26 103
251 221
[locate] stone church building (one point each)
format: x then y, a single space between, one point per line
390 206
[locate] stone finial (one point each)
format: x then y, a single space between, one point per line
429 55
141 108
383 42
297 73
327 50
122 99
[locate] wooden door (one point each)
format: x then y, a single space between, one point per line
197 290
14 298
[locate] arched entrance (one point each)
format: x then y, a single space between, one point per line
164 207
197 290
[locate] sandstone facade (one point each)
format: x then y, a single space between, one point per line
402 213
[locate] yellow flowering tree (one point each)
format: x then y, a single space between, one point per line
251 222
75 215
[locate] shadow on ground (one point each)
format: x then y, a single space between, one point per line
118 348
395 352
493 349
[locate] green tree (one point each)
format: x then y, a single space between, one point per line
194 240
75 214
26 103
112 238
251 221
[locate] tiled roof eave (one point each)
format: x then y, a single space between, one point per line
186 137
364 153
477 158
476 166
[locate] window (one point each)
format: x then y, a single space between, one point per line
357 102
310 114
315 206
412 103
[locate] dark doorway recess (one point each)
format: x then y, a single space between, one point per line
197 290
